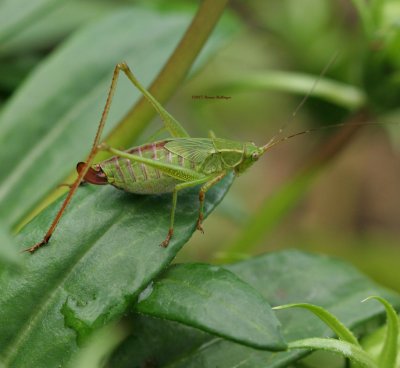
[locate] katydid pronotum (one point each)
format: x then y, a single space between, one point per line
165 166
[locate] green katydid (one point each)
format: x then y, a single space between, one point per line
165 166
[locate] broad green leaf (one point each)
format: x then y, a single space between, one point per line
329 319
215 300
282 278
50 122
91 270
344 348
388 356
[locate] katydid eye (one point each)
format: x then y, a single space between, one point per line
254 156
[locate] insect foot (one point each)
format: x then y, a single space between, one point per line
199 222
165 243
37 246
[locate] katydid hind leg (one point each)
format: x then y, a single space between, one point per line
95 148
202 195
171 124
179 187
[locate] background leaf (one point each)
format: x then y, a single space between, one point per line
215 300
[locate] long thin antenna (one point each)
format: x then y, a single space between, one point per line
303 101
270 145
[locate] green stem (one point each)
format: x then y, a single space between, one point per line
172 74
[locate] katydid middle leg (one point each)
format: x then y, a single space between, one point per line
179 187
202 194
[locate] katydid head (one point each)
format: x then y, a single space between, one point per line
251 154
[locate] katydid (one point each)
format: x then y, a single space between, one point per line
165 166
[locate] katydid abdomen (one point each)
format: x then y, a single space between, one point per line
139 178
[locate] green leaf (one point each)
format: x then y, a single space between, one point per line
345 349
282 278
90 271
215 300
388 355
329 319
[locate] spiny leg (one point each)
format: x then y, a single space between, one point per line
85 168
202 195
177 188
